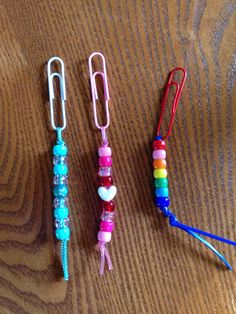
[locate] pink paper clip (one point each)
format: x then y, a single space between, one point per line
94 92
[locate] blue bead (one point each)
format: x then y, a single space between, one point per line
60 190
60 150
61 213
63 234
60 169
162 192
162 202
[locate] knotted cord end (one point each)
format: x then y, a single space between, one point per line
173 221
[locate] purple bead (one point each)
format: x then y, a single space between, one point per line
58 179
108 216
60 160
105 171
62 223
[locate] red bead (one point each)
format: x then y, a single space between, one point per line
159 144
107 206
105 181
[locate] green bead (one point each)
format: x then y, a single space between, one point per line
161 183
60 169
61 190
63 234
61 213
60 150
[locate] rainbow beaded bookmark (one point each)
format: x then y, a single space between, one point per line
106 189
160 174
60 168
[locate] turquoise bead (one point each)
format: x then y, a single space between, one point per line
162 192
161 183
61 213
60 150
61 190
63 234
60 169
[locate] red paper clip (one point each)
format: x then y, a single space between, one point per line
178 91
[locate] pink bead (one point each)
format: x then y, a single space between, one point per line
159 154
104 161
104 151
104 236
106 226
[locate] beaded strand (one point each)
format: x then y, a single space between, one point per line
160 173
106 189
60 203
60 168
106 192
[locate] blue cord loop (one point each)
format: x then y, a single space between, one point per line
59 136
173 221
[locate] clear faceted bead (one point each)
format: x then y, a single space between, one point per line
108 216
62 223
60 160
60 202
105 171
58 179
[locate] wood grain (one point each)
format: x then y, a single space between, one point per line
157 269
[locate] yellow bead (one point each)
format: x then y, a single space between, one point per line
159 173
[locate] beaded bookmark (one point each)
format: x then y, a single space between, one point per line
60 168
106 189
160 173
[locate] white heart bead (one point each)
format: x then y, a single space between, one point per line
107 194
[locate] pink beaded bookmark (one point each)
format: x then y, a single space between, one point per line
106 189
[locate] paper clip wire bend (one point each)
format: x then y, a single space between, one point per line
178 91
61 77
94 92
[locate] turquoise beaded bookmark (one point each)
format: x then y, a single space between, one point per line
160 173
60 168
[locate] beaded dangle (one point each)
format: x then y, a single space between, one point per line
160 173
60 168
106 189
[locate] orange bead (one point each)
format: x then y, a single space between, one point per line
159 164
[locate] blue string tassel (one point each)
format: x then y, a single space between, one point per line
173 221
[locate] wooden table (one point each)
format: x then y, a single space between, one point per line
157 268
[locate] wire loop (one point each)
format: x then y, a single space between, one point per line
61 77
94 92
178 91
